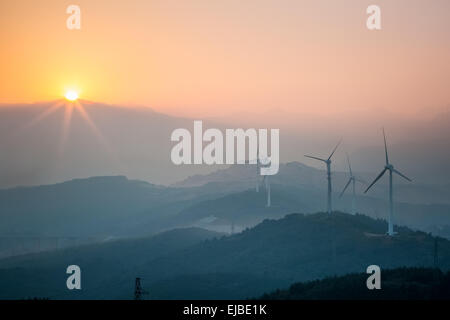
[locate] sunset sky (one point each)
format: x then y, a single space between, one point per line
212 58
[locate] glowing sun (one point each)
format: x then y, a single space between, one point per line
71 95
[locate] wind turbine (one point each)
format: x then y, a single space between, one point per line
265 162
389 167
258 171
353 179
258 165
265 180
328 163
267 185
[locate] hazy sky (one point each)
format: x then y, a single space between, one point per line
224 57
310 68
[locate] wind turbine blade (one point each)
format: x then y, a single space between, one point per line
334 149
349 166
316 158
385 148
345 188
401 175
376 179
360 180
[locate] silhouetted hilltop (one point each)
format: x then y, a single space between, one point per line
92 207
298 175
247 208
302 247
396 284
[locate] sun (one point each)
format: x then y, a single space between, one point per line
71 95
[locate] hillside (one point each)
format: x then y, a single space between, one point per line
42 274
298 175
300 247
396 284
29 210
295 248
95 209
248 208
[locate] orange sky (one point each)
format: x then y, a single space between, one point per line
210 58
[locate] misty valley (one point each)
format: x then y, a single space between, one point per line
209 237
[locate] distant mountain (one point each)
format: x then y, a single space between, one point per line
39 146
292 249
248 208
299 175
291 174
96 209
83 207
298 187
397 284
81 211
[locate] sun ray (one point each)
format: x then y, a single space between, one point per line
44 114
69 108
65 126
101 139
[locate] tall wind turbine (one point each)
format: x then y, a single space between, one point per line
258 169
353 179
265 162
267 185
328 163
389 167
265 180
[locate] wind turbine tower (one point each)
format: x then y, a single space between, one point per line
328 163
352 180
257 171
389 167
264 163
267 185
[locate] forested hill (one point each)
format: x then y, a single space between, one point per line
396 284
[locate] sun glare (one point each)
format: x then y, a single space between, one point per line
71 95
